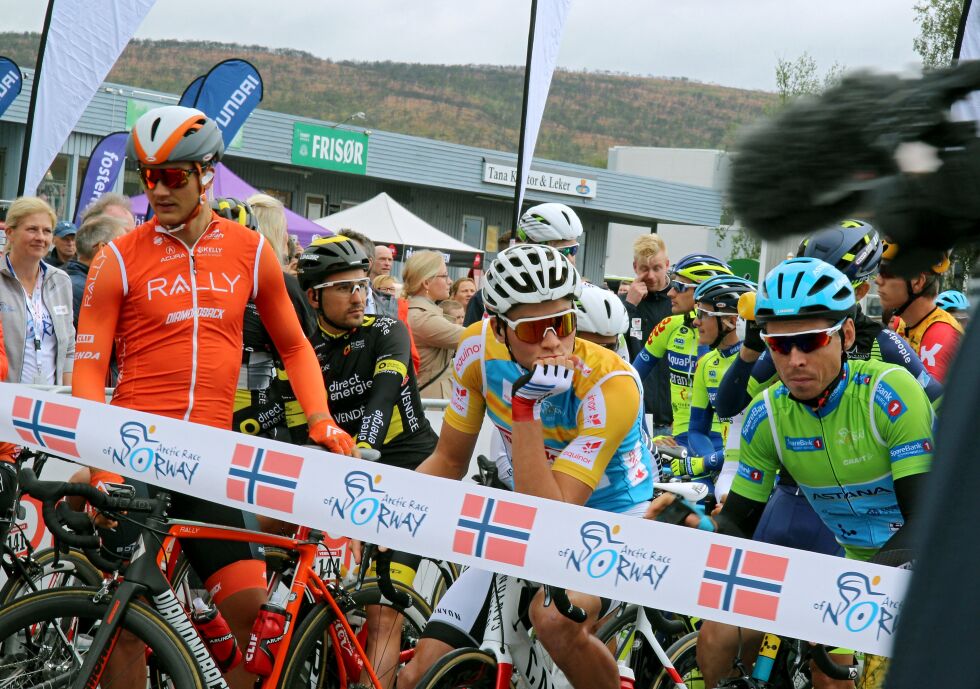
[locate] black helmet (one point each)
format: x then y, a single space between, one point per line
853 247
235 210
327 256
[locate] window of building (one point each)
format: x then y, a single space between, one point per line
473 231
316 206
54 186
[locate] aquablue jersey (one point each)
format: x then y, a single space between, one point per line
676 338
872 341
592 432
707 432
373 391
876 427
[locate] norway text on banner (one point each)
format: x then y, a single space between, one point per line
755 585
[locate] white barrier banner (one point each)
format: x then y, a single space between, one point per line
716 577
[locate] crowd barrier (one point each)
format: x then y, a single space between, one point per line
755 585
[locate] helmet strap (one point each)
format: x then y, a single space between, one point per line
202 202
913 295
723 331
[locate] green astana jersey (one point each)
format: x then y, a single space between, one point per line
875 427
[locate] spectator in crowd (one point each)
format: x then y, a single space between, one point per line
116 205
385 284
270 217
294 251
384 259
64 244
462 291
95 232
647 304
37 315
454 311
426 284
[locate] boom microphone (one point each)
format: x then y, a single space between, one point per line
826 158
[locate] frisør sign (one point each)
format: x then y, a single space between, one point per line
329 148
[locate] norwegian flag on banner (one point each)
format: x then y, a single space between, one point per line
494 529
48 424
264 477
743 581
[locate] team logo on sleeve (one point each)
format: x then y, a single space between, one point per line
583 450
750 473
594 409
468 351
755 416
888 401
460 400
914 448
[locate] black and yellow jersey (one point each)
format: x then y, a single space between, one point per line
372 389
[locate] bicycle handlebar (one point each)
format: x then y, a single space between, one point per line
382 566
822 660
560 598
675 452
80 524
663 625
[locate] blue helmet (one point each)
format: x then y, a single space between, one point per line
804 288
952 299
722 292
853 247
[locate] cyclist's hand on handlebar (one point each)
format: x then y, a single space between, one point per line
719 505
661 506
692 466
666 441
325 432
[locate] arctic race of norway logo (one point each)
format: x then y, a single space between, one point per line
264 478
366 504
860 607
144 454
742 581
601 555
51 425
493 529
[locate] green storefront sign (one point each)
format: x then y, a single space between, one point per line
329 148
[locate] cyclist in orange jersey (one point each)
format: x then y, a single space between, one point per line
171 296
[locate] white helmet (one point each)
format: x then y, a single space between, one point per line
601 312
529 274
548 222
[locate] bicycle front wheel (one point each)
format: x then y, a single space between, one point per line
47 569
464 668
45 636
315 662
683 656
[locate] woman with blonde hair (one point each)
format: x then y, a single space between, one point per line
37 325
270 215
427 283
385 284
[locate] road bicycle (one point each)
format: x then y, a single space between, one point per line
65 636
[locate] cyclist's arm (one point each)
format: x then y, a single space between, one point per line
463 418
895 350
390 369
97 320
757 467
938 349
742 381
909 493
653 350
582 464
702 415
280 320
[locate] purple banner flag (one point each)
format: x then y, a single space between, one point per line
104 166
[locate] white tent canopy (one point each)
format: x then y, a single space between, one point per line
384 221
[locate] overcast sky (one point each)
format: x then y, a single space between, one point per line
728 42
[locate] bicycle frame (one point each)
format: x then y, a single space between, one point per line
508 639
643 627
143 576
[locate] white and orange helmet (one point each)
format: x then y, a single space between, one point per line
175 133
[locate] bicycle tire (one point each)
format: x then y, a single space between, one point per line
463 668
683 656
31 633
311 661
73 569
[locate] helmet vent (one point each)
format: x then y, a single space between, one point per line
154 127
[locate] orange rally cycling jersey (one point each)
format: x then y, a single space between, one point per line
175 315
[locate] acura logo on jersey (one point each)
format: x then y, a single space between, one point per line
206 282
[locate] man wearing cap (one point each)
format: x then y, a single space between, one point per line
64 244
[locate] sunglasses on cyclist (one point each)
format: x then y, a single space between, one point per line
806 341
170 177
611 346
681 287
704 313
569 251
346 287
534 330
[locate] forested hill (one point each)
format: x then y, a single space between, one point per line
477 105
